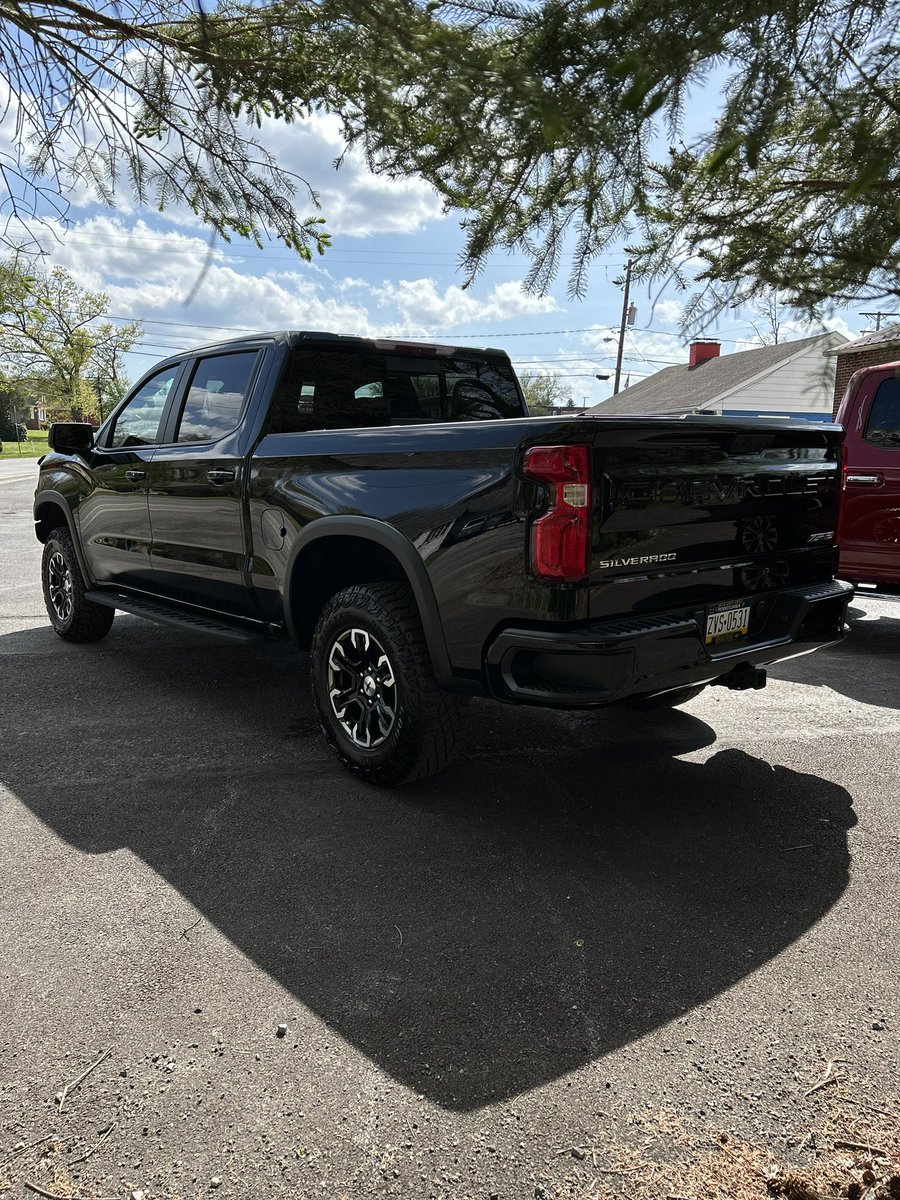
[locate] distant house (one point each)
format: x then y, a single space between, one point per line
22 409
567 410
792 379
870 350
38 416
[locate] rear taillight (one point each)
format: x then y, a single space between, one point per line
561 538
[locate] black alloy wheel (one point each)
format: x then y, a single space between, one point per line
380 709
59 588
362 688
72 616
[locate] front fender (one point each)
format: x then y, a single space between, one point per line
48 501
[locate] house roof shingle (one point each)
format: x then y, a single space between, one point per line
889 336
684 389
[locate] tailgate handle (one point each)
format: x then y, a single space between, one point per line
220 475
870 480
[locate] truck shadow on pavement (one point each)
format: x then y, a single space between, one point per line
567 886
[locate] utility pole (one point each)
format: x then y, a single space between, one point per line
625 319
876 317
15 413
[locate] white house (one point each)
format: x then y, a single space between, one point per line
791 379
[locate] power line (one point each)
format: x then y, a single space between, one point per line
876 317
607 361
253 329
162 350
421 337
162 244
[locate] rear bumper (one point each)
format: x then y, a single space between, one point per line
607 661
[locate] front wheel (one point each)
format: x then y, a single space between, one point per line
71 615
379 706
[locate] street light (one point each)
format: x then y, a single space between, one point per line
601 377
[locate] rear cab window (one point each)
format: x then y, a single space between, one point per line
343 389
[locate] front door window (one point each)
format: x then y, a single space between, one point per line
139 421
216 396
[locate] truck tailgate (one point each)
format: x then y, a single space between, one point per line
702 509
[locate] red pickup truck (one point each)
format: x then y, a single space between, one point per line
869 533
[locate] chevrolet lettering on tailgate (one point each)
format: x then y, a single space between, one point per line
720 489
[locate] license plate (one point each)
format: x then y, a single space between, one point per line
727 621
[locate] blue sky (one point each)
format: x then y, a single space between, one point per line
393 271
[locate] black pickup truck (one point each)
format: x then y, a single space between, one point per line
392 508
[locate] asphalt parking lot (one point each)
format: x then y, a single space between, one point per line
586 919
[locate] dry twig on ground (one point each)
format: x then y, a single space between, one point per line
70 1087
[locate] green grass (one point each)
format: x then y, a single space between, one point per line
33 448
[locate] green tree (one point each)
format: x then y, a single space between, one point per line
555 126
136 97
544 392
13 410
54 343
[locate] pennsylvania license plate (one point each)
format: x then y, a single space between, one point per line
727 621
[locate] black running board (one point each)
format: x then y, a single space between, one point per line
180 618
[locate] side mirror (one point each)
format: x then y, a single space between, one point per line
70 437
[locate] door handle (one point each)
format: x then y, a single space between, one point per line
135 476
220 475
871 480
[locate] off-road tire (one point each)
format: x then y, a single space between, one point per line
665 700
428 721
81 620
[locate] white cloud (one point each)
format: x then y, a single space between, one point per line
351 284
354 202
148 273
424 309
667 313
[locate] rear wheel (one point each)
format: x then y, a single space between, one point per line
71 615
664 700
379 706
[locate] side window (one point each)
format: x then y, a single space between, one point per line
883 426
369 391
346 389
138 422
215 398
427 393
482 390
331 390
473 400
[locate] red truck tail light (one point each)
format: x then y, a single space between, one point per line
561 538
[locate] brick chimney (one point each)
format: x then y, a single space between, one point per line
701 351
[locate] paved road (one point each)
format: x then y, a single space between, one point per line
586 918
